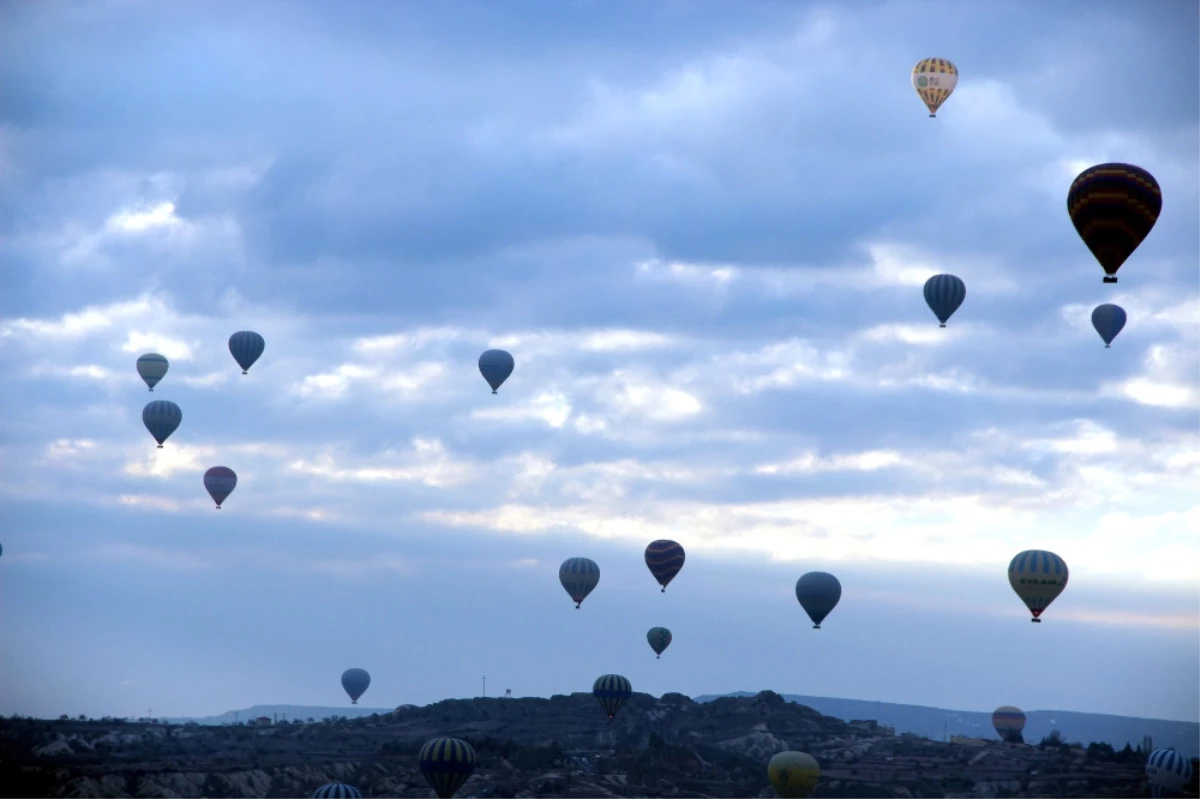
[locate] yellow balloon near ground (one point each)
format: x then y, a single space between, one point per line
793 774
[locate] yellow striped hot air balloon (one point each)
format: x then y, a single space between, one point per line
793 774
934 79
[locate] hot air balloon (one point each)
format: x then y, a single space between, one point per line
579 576
1038 577
1109 320
162 418
1168 773
356 682
943 295
660 639
152 367
818 593
246 347
934 79
1008 722
495 366
220 482
664 559
1114 207
337 790
793 774
446 763
611 690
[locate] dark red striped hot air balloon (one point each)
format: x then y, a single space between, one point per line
664 559
1114 207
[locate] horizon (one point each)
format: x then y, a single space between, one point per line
703 234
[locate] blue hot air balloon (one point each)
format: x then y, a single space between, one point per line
337 790
246 347
818 593
579 576
161 418
944 293
1168 773
611 690
1109 320
660 639
664 559
356 682
152 367
495 366
220 481
446 763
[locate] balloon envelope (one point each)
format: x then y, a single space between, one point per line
1168 773
793 774
1008 720
162 418
1038 577
944 294
818 593
1113 208
934 79
337 790
246 347
356 682
664 559
611 690
579 576
220 482
495 366
152 367
446 763
1109 320
659 638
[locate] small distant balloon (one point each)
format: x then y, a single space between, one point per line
818 593
664 559
1008 721
1168 773
220 481
579 576
793 774
1109 320
355 682
611 690
246 347
1113 208
1038 577
934 79
152 367
446 763
162 418
944 294
660 639
337 790
496 366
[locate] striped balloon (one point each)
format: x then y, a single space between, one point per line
664 559
337 790
246 347
1109 320
446 763
162 418
943 294
660 639
579 576
611 690
1168 773
1113 208
1008 721
152 367
220 481
1038 577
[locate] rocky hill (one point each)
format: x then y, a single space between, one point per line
562 746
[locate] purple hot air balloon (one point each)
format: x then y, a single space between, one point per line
220 482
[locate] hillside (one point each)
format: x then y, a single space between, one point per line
562 746
931 722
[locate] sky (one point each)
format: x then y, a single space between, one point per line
702 230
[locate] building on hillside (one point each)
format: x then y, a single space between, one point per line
964 740
262 721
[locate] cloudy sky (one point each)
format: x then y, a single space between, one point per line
702 230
